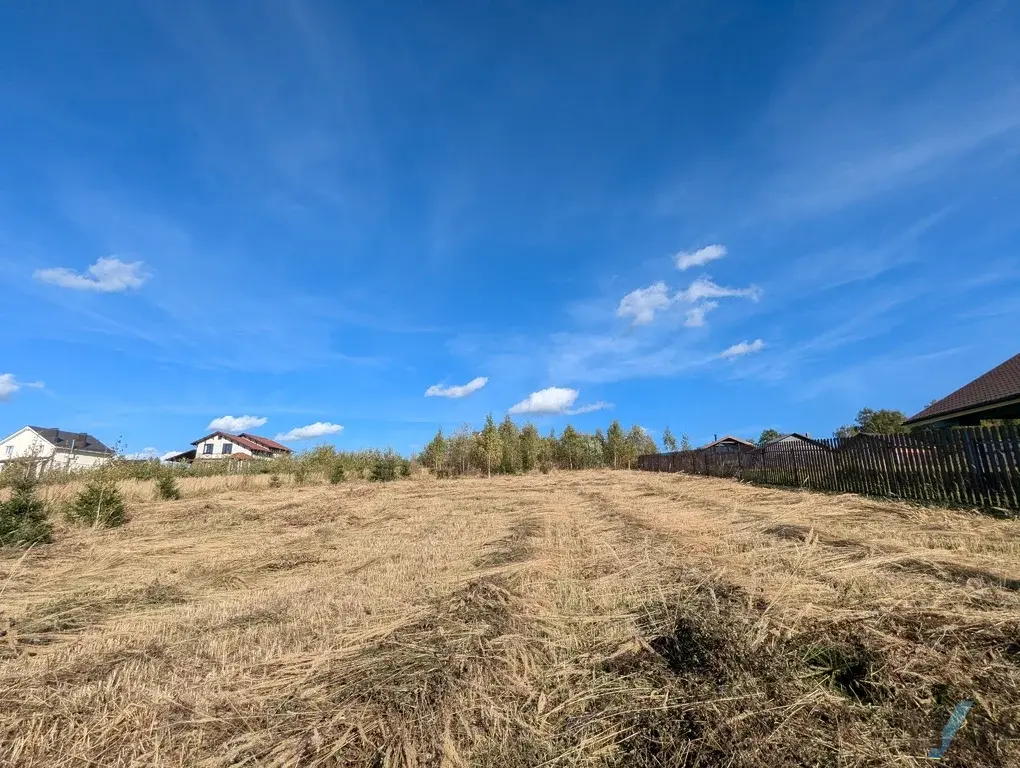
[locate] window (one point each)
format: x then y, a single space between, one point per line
207 449
9 451
227 448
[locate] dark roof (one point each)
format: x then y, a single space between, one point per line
777 441
63 439
242 441
265 441
1000 384
727 438
182 456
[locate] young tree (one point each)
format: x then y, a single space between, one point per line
461 448
882 422
434 455
616 445
531 447
570 447
668 441
23 515
489 447
510 447
639 442
766 435
685 442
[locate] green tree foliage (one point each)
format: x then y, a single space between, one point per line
685 442
616 446
99 503
638 442
881 422
668 441
166 487
389 466
570 450
337 473
434 455
510 447
766 435
461 449
23 516
531 447
489 446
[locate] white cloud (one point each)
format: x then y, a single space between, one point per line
236 423
688 259
9 385
704 288
550 400
108 275
696 315
599 406
318 429
438 390
144 454
643 303
743 348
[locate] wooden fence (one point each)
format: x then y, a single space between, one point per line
977 466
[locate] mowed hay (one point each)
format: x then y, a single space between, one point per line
589 618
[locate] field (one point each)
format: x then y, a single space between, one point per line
576 618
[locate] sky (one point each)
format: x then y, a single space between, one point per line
360 222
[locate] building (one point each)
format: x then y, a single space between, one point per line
794 441
993 395
728 444
224 445
51 448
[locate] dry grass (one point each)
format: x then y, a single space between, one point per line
590 618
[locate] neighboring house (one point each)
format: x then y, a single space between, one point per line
224 445
872 449
184 457
993 395
50 448
728 444
794 441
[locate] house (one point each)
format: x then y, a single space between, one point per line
51 448
872 449
224 445
993 395
728 444
794 441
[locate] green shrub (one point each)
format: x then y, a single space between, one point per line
300 473
388 466
23 516
337 473
167 488
99 503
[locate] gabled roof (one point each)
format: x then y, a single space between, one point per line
999 385
266 442
62 439
727 438
777 441
244 442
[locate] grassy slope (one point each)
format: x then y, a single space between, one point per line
606 618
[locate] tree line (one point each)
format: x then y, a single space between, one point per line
508 449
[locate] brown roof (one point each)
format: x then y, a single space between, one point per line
1000 384
265 441
242 441
724 439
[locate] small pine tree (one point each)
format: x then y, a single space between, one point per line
274 481
337 473
23 516
668 441
167 488
99 503
300 473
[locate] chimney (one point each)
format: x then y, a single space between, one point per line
715 437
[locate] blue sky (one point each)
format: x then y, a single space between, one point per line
314 212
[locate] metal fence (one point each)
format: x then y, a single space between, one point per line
972 466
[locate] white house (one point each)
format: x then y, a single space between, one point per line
51 448
224 445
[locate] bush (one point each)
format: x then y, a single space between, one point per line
389 466
274 481
23 516
167 488
337 473
99 503
300 473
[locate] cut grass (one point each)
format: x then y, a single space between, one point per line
590 618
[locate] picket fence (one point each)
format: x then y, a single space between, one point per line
974 466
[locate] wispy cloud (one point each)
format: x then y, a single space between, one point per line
9 385
309 432
237 423
696 315
546 401
688 259
743 348
146 454
643 303
598 406
108 275
704 288
462 390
